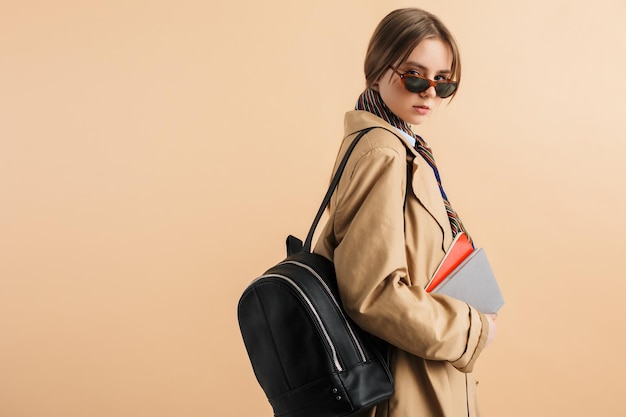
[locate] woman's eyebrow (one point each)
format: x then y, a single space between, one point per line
423 68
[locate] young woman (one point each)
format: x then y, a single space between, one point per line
391 223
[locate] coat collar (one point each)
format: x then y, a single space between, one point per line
424 182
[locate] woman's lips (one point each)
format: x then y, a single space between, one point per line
423 110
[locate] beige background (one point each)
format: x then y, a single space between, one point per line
154 155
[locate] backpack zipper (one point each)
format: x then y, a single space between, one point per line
315 313
356 341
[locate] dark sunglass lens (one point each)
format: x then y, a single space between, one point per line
445 90
416 85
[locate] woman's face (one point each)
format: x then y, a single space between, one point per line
431 58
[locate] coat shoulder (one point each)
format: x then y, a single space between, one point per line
383 135
383 138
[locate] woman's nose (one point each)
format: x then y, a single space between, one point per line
430 92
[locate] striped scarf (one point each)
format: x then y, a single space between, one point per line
371 101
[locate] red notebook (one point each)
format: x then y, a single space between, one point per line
460 248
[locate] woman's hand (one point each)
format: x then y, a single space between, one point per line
491 319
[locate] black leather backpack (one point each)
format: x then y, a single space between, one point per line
308 356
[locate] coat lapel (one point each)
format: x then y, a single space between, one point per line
428 194
424 183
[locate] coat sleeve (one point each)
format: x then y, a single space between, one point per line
371 265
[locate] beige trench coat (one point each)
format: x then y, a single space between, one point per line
384 254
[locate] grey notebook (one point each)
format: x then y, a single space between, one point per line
473 282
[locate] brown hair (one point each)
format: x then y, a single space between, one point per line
398 34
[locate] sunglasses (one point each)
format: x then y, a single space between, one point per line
418 84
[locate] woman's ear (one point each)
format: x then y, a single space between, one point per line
375 86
